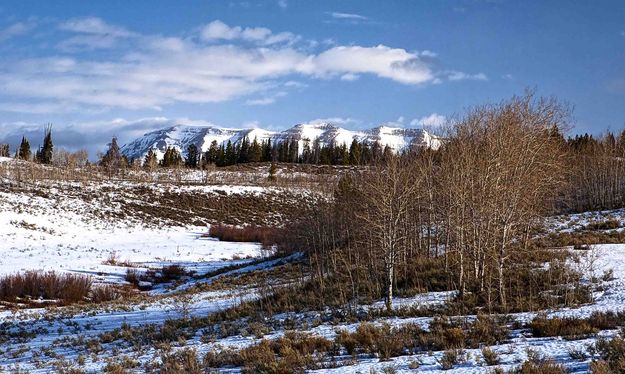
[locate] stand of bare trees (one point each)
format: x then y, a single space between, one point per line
468 207
597 177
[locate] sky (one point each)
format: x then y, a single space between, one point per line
97 69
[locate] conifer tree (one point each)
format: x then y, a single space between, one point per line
231 155
5 150
112 159
211 156
244 151
150 161
24 152
191 160
267 151
355 153
44 154
171 158
255 151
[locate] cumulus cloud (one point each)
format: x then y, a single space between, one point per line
218 30
216 64
433 120
385 62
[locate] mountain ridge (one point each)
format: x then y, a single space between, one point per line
181 135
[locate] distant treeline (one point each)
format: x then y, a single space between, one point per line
245 151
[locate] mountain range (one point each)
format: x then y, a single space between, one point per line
181 136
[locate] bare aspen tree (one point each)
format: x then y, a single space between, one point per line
386 198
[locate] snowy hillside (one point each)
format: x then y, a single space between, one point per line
181 136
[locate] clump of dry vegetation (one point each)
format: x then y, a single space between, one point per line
267 236
51 287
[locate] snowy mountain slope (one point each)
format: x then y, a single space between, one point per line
181 136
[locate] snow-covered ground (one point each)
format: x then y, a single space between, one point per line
70 234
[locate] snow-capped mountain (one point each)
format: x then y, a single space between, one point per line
181 136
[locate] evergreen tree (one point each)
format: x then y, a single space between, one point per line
306 152
24 152
255 151
231 155
293 154
112 159
221 156
212 154
244 151
355 153
267 150
191 160
150 161
316 152
171 158
343 155
5 150
44 154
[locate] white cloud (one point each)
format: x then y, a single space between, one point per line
458 76
341 121
433 120
349 77
92 33
348 16
16 29
282 4
96 26
385 62
152 71
218 30
266 100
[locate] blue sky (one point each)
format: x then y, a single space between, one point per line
97 68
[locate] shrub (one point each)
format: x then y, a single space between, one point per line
490 357
450 358
267 236
540 367
172 272
104 293
181 362
67 288
569 328
613 353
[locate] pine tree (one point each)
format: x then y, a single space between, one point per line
44 154
221 156
212 155
150 161
267 151
112 159
255 151
191 160
306 152
355 153
231 155
171 158
293 154
244 151
24 152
